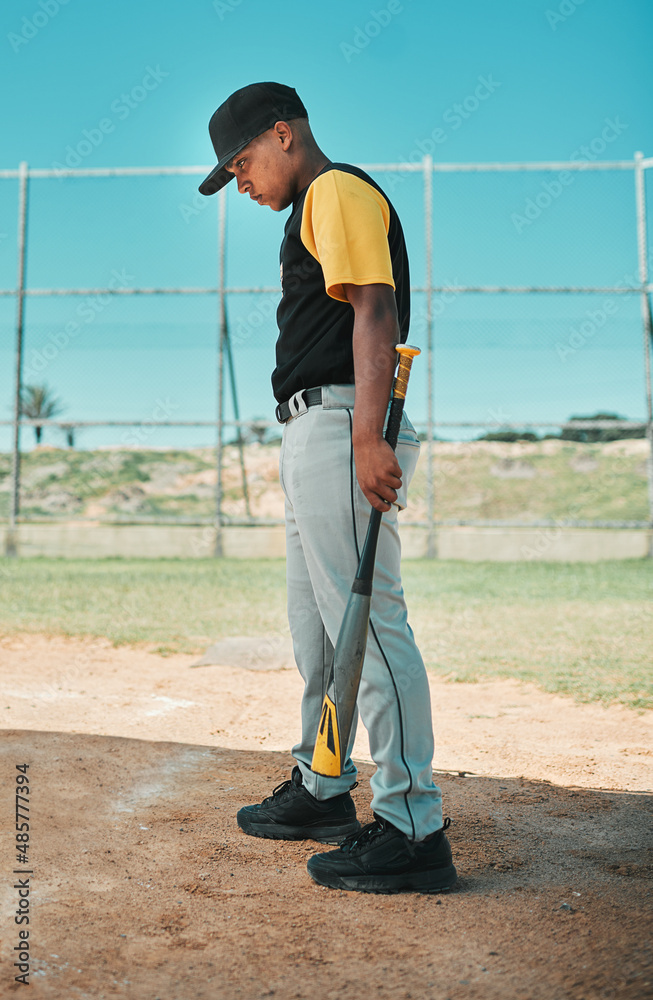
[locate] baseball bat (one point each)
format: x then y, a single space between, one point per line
339 704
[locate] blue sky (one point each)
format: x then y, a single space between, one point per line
126 84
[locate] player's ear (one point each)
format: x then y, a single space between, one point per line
284 134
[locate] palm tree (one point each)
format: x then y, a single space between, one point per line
37 401
69 431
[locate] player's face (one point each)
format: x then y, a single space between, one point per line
261 171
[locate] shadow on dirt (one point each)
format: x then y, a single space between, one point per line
144 887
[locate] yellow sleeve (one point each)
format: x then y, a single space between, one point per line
345 227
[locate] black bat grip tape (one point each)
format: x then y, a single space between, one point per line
394 421
363 582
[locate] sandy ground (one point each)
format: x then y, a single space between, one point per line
143 886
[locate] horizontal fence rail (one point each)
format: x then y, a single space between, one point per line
574 425
271 290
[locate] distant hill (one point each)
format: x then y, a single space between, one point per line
526 481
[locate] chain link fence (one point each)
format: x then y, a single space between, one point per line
149 319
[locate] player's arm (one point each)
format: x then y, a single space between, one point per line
345 226
376 331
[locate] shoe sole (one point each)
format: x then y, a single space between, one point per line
437 880
322 834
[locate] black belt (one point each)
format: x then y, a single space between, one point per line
298 403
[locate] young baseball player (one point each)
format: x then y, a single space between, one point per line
344 305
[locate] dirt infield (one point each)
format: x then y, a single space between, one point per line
144 888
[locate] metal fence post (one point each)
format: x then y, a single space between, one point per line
239 429
218 550
431 542
11 543
642 253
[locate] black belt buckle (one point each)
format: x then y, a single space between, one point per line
298 404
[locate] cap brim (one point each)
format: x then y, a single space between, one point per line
217 179
219 176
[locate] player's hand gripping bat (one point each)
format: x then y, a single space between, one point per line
339 702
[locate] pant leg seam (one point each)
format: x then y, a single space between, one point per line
326 668
352 477
380 647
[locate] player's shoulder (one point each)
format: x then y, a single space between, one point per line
344 175
343 181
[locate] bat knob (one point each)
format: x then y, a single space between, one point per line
407 351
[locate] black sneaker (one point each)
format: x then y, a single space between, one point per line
382 859
292 813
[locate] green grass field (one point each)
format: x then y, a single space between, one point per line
582 629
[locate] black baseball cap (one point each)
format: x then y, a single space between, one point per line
249 112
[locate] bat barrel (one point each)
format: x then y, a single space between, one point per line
363 581
339 704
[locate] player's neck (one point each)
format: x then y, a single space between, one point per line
313 163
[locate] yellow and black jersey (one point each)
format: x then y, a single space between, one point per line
342 230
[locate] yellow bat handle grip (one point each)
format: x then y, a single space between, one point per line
407 350
406 355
